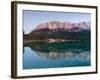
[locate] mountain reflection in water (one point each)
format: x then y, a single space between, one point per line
53 55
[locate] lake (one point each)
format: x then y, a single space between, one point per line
37 55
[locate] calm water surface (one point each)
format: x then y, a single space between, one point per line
54 55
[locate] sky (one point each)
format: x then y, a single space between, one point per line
33 18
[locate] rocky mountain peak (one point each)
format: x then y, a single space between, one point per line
53 25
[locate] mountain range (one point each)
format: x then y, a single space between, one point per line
63 25
60 30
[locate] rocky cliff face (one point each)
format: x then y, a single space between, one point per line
60 30
63 25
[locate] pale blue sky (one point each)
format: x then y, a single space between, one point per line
32 18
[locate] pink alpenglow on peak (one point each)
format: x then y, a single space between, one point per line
63 25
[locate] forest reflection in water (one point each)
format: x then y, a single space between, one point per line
57 54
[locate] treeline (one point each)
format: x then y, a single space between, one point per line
43 35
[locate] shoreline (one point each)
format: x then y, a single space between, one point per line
51 40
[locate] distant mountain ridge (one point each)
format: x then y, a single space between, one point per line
63 25
60 30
